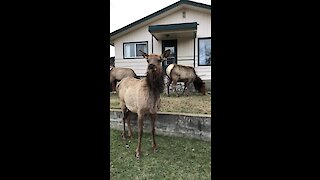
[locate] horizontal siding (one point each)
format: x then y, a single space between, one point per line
185 62
185 47
204 72
139 66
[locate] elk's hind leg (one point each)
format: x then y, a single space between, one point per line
125 113
129 125
168 86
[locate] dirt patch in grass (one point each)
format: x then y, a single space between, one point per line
195 103
177 158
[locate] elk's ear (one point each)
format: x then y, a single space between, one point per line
145 55
165 54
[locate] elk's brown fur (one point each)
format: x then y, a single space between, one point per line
180 73
142 96
117 74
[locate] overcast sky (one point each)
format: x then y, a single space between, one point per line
124 12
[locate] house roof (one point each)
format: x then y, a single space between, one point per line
118 32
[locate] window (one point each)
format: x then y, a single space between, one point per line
204 51
131 50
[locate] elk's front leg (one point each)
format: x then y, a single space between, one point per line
174 87
153 118
186 86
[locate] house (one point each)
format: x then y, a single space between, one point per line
183 27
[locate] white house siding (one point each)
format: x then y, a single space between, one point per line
185 51
138 65
184 46
203 19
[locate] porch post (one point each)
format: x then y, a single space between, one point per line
151 43
194 51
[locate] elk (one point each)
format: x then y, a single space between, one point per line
142 96
117 74
180 73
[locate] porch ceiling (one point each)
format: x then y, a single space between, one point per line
173 31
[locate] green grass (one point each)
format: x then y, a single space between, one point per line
176 158
195 103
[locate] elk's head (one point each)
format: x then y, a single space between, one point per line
154 61
154 72
200 85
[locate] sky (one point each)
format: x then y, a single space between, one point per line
124 12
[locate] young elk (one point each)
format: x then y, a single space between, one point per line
142 96
179 73
117 74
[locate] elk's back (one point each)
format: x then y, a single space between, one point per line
179 72
120 73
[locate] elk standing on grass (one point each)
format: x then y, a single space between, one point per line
117 74
142 96
179 73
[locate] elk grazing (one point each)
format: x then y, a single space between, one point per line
117 74
179 73
142 96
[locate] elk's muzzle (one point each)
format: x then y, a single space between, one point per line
151 66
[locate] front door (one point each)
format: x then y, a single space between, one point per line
172 58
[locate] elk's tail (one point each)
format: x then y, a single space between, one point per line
117 86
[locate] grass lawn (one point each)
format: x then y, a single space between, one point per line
177 158
194 103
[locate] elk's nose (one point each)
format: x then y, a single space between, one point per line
151 66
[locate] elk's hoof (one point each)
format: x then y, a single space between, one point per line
137 156
155 150
123 136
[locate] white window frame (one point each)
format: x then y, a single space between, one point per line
135 49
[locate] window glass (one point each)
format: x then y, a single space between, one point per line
131 50
204 52
142 47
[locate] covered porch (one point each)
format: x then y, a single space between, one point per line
172 36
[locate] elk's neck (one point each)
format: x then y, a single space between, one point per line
155 82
